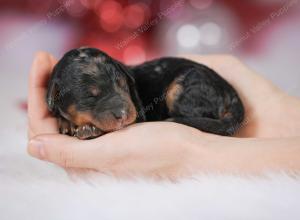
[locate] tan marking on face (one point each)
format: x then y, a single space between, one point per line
132 113
110 123
173 92
79 118
106 123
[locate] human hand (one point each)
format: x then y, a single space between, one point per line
168 150
270 112
161 148
156 149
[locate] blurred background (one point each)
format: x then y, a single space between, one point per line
263 33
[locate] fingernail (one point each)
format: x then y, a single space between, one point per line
36 149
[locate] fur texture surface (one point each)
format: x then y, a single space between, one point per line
91 94
34 190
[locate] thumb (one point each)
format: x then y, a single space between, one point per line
64 150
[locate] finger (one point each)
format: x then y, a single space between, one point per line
39 75
66 151
37 108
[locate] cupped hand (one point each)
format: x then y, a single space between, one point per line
158 148
161 149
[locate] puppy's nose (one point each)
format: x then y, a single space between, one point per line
119 114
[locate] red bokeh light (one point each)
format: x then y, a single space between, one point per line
134 15
111 16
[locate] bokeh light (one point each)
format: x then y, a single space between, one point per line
111 16
188 36
134 15
211 33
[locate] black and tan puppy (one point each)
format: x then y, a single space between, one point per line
91 94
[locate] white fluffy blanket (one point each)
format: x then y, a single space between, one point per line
32 189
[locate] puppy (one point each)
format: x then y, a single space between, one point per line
91 94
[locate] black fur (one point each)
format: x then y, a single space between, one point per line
205 97
101 87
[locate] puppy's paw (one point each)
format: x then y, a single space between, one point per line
66 127
87 132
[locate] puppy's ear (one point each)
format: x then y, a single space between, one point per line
52 95
126 71
133 92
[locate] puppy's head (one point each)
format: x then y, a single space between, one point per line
89 87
